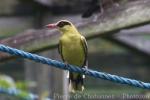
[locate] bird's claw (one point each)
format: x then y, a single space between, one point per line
85 69
66 67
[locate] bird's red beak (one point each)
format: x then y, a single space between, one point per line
51 26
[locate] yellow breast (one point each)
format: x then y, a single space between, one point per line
72 49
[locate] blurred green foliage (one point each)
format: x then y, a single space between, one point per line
22 85
8 82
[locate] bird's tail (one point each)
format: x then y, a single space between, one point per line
76 82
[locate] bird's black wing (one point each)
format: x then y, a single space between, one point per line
60 50
85 48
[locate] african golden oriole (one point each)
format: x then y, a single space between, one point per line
73 50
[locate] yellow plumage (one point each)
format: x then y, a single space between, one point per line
73 50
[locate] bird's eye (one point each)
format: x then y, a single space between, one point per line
63 23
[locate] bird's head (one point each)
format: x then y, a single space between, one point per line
63 25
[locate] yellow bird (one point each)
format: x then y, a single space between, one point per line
73 50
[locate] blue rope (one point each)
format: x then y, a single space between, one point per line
54 63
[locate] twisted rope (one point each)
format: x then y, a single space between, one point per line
89 72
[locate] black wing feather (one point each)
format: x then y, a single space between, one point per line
85 48
60 50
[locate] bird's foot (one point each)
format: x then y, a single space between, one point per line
85 70
66 66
